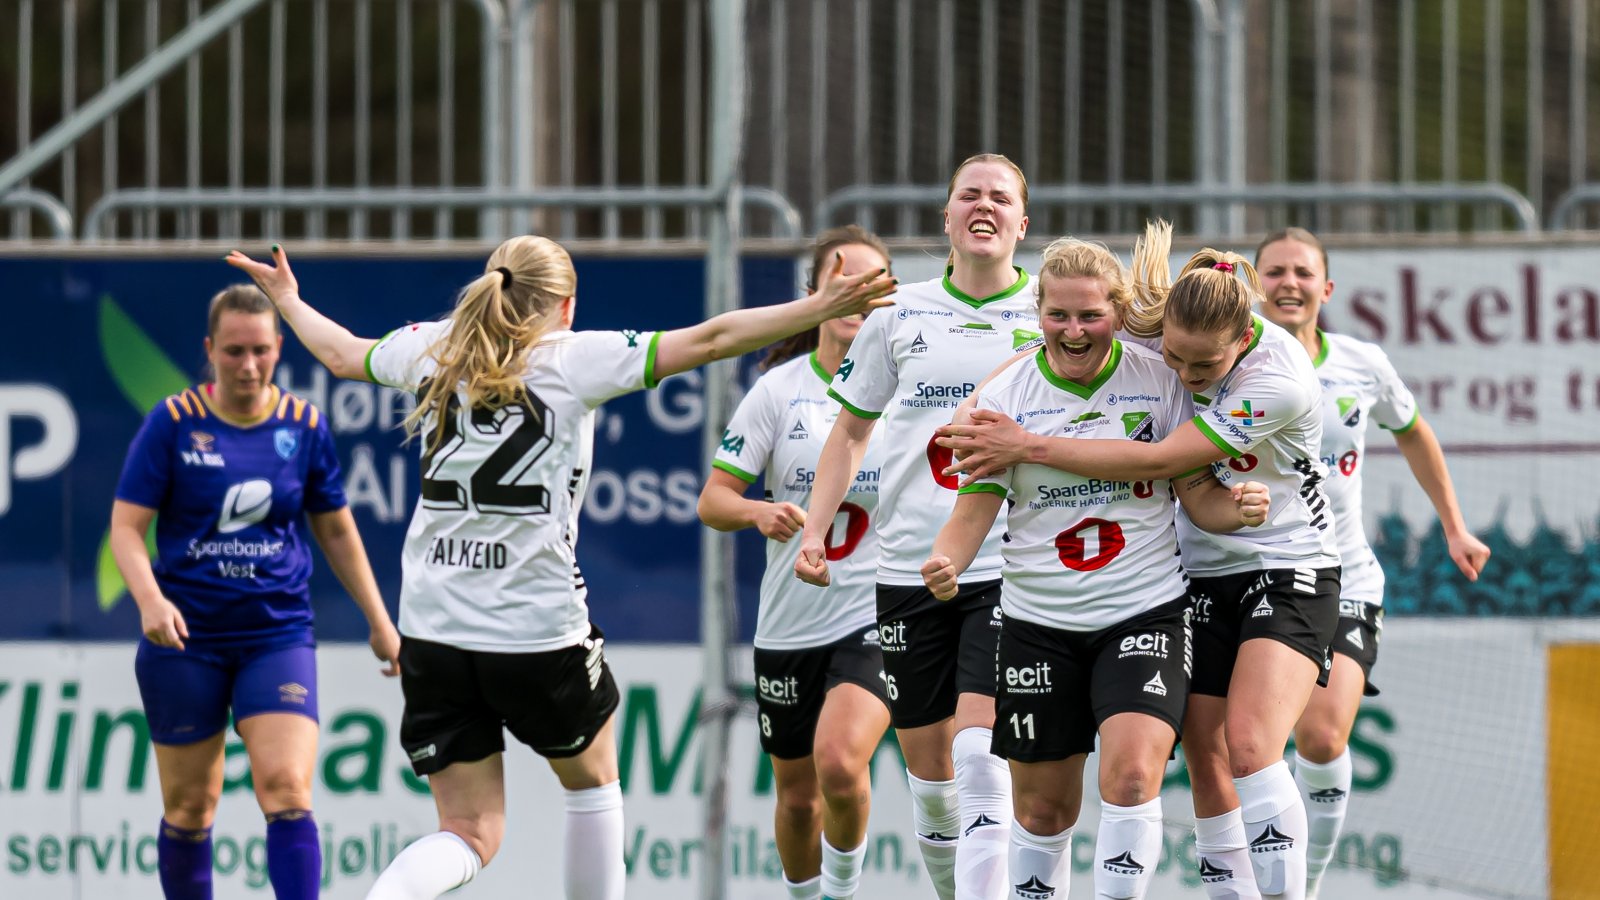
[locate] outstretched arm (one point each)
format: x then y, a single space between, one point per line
993 442
743 330
1420 446
332 344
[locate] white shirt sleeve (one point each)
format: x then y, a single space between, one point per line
867 379
746 446
1396 408
1258 406
600 365
400 358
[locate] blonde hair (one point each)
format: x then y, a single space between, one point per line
1071 257
1206 297
495 323
974 159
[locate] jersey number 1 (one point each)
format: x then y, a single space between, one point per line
519 434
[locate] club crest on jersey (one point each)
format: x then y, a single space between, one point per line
1021 337
1138 426
1349 411
286 441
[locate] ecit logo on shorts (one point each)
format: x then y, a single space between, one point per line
1151 644
782 691
892 636
1034 679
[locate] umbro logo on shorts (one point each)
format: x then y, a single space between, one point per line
1155 686
1262 609
1034 889
982 821
1270 841
1354 637
1211 873
1123 864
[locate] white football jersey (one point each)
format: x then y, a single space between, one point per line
1082 554
779 428
1359 386
913 364
1266 414
489 561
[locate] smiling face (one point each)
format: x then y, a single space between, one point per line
1201 358
243 351
1079 324
1295 281
858 258
985 215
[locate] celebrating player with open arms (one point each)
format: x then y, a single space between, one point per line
912 368
1359 386
1265 600
492 606
1096 639
819 673
227 469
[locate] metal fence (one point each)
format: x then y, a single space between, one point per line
187 120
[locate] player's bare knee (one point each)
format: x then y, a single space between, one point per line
189 809
838 777
1320 742
799 804
1129 782
278 789
1042 813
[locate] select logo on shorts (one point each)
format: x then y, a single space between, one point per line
1354 637
1034 679
1156 686
245 504
293 693
781 691
1262 609
1152 644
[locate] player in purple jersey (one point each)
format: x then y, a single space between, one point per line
1360 386
493 605
226 470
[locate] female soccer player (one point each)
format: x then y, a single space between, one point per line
1096 639
231 466
1265 601
1359 386
819 673
913 368
492 605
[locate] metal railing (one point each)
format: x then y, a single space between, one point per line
56 215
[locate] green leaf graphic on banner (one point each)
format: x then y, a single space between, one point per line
143 373
145 376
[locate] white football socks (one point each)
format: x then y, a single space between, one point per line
431 866
937 820
1325 790
1127 849
1275 823
841 870
593 855
983 784
1224 857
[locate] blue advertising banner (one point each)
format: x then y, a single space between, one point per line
94 343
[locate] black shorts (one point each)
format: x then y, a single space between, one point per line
1296 607
792 684
1057 686
1360 628
934 650
458 701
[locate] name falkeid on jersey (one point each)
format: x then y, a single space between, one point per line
466 554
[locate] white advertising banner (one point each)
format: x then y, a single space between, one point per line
1458 731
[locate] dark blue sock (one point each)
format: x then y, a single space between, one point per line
294 855
184 862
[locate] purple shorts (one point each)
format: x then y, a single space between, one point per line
187 694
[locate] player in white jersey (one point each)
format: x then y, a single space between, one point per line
1096 640
819 674
1360 386
912 367
492 603
1265 601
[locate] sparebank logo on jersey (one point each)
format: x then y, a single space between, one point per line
51 451
1089 492
202 451
245 504
1138 426
802 478
1349 411
933 394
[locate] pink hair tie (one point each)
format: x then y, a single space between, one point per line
1223 267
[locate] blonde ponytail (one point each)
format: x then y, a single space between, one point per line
1152 280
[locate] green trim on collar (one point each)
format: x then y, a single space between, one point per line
824 374
1072 387
1322 354
975 303
1260 326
